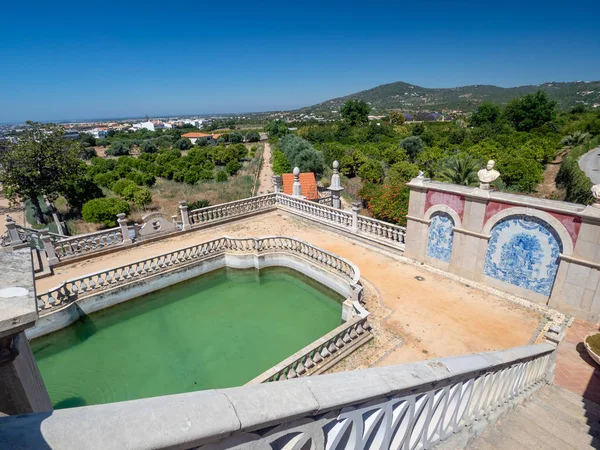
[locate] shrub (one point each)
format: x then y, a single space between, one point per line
571 178
252 136
106 179
129 192
120 186
413 146
183 144
221 176
198 204
280 163
387 202
232 167
118 148
88 153
104 210
191 176
148 147
136 177
206 174
142 197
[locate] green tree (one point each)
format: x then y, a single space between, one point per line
402 172
118 148
413 146
276 128
183 144
232 167
148 147
486 113
42 162
88 153
396 118
252 136
371 171
460 169
530 111
356 112
280 163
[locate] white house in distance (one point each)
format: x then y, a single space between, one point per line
195 137
99 133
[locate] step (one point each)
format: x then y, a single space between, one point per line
555 426
571 397
493 439
583 414
529 434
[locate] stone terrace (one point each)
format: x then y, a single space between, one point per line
437 317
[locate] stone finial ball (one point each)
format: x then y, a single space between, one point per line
336 164
296 171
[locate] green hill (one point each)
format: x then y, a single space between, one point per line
410 98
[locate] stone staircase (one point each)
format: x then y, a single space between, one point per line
552 418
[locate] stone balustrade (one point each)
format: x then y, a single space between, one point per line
381 230
409 406
313 210
313 359
237 208
86 243
63 249
75 288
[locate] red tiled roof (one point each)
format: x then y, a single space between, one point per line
308 185
216 136
195 135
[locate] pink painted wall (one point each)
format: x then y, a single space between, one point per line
571 223
454 201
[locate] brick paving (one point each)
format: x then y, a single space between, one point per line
575 370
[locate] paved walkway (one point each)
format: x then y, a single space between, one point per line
266 172
575 370
437 317
590 164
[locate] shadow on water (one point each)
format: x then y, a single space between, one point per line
84 327
71 402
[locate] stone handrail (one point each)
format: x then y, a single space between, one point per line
72 289
232 209
83 243
408 406
310 358
381 229
314 210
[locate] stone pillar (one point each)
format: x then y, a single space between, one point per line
296 188
185 217
336 187
415 240
11 231
22 389
277 181
122 221
355 213
49 247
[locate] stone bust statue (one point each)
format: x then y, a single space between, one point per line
487 175
596 194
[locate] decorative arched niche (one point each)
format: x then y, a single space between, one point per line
441 236
524 250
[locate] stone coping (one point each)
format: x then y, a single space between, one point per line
505 197
197 418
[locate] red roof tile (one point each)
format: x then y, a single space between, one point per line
196 135
308 185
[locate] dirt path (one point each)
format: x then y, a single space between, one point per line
266 172
547 188
437 317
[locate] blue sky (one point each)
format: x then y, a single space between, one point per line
76 60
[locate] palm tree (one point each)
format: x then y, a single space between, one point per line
460 169
575 139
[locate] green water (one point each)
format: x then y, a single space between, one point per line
218 330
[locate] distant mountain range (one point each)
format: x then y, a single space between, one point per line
410 98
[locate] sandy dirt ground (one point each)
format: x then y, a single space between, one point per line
436 317
18 216
266 172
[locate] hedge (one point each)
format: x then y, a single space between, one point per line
104 210
574 180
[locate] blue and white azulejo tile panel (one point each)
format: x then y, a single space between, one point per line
441 235
524 250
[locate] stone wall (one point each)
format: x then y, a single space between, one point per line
544 250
